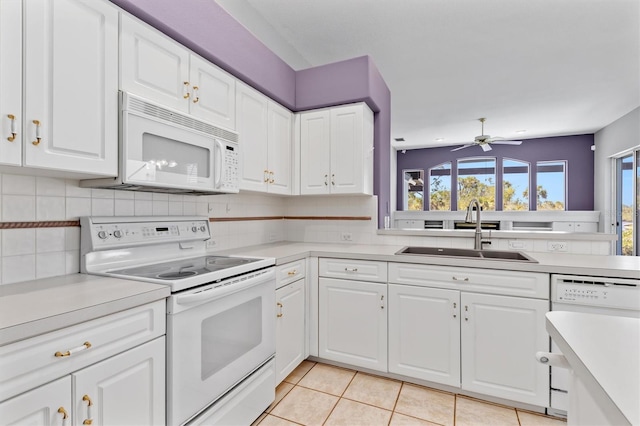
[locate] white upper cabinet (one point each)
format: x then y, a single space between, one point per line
159 69
265 130
69 95
11 82
336 150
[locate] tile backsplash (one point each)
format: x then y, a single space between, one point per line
238 220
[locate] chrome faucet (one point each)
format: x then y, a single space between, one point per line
477 242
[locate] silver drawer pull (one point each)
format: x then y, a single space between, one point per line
460 279
85 346
351 269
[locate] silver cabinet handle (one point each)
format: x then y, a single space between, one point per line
455 310
351 269
466 279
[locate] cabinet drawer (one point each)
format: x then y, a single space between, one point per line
362 270
290 272
31 362
509 283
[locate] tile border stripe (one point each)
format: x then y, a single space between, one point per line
45 224
76 223
248 218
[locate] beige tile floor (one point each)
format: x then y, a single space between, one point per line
321 394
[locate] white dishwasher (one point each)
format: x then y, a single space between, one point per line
596 295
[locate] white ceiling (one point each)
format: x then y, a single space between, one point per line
550 67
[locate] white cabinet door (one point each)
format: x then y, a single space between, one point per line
11 82
336 150
126 389
353 322
213 97
280 147
500 337
153 66
315 152
424 333
290 328
71 85
252 125
346 150
47 405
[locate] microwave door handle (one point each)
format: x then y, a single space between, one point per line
219 163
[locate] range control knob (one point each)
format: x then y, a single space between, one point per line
102 235
117 233
203 228
194 229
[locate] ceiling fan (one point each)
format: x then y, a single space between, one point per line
484 141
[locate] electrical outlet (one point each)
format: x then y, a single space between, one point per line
211 243
557 246
517 245
272 236
346 236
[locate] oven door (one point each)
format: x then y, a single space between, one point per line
159 153
216 338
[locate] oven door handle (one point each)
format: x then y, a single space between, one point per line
218 292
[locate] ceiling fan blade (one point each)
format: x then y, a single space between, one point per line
500 142
485 147
463 146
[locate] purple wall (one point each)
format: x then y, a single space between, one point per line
575 149
207 29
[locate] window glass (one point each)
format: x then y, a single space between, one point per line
551 189
477 179
440 187
625 205
515 185
413 189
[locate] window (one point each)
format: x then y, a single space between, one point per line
414 189
627 210
551 187
476 179
440 187
515 185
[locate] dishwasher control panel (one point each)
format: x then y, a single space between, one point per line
590 291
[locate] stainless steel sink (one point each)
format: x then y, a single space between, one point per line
510 256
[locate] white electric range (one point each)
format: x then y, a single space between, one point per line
220 315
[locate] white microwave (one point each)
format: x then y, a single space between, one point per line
162 150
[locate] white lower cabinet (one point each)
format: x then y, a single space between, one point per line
424 333
353 322
290 328
47 405
126 389
500 336
106 371
467 336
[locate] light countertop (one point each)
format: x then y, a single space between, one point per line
558 263
34 307
605 352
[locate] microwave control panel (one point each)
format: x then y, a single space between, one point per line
230 167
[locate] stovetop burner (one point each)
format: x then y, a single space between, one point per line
184 268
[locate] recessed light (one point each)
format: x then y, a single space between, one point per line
399 139
439 139
521 131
